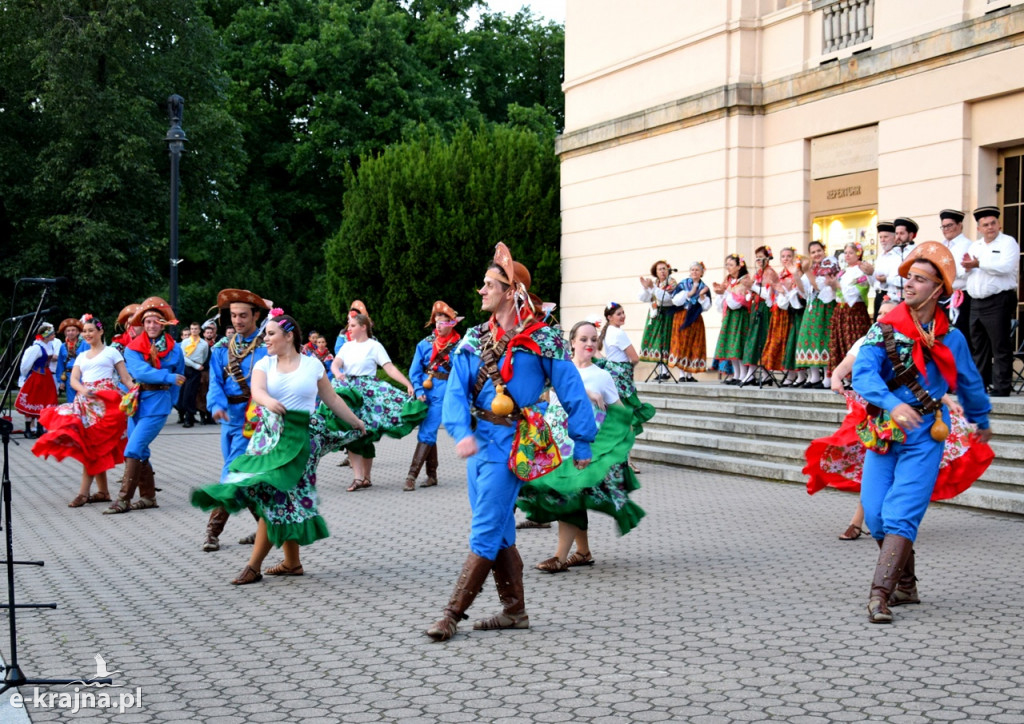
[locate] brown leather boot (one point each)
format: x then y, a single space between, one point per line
417 462
892 557
508 579
471 581
431 468
129 481
906 590
214 527
147 488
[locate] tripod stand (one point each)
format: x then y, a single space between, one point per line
13 675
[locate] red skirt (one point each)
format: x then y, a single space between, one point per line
837 461
38 393
91 429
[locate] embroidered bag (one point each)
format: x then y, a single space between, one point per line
251 420
130 401
534 450
879 431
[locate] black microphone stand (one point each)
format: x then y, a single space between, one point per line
13 675
661 371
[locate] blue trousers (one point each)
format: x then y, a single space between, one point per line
142 430
897 487
232 442
427 432
493 490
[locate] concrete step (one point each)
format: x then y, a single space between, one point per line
832 415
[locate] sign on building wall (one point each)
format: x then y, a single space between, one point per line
844 153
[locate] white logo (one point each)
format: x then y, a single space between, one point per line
78 700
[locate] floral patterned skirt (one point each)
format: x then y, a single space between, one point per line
657 339
90 429
733 335
775 345
812 341
848 325
689 349
385 409
837 461
276 477
603 486
622 375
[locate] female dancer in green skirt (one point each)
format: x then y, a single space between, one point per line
276 477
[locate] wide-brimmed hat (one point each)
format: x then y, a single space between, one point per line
227 297
939 256
154 304
69 322
126 314
442 308
357 307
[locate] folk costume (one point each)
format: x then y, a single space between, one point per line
656 343
431 365
275 477
905 361
689 349
121 341
231 362
734 305
154 364
89 428
850 320
66 357
38 389
566 494
617 364
762 299
496 381
813 338
790 303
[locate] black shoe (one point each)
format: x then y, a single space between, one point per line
189 423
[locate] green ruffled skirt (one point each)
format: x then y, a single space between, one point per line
276 477
384 409
622 375
602 486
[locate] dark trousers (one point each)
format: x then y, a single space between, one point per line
990 334
189 390
963 322
879 298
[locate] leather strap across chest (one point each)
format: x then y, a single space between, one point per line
906 375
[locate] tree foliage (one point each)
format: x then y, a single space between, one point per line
421 220
285 99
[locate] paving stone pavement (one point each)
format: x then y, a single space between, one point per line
732 601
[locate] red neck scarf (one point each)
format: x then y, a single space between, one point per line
441 343
521 339
902 321
144 346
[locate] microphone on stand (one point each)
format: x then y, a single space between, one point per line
52 281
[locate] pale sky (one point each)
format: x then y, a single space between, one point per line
553 10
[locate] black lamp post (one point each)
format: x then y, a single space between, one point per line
176 143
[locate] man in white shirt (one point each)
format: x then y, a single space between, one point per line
951 223
887 264
197 352
906 233
992 277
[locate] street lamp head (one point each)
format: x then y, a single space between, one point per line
176 108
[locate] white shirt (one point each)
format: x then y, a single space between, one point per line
958 246
296 390
997 266
847 285
362 358
100 367
616 342
598 381
29 358
889 265
54 351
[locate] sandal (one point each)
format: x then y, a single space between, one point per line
145 503
248 575
410 485
282 570
852 533
553 565
358 484
579 559
79 501
121 505
99 498
531 524
634 468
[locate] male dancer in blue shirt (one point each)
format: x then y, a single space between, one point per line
909 359
502 366
231 362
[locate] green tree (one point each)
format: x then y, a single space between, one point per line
85 173
421 220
